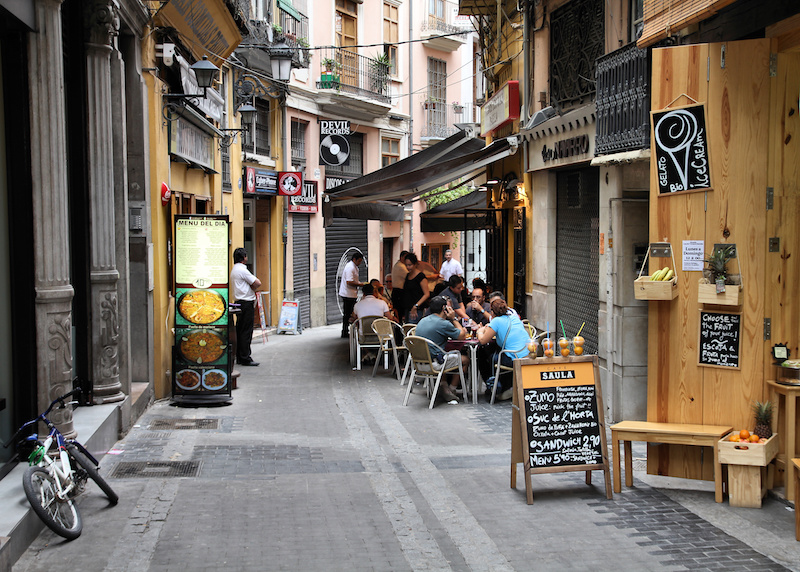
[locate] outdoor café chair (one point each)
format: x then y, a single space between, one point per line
362 336
422 365
385 330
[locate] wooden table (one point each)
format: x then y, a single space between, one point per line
670 433
789 393
473 346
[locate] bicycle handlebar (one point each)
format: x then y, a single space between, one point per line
61 400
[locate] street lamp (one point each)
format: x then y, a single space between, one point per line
280 56
205 73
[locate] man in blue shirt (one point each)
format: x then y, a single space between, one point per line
440 326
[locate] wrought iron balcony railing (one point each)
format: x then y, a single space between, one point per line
439 118
623 100
442 18
354 74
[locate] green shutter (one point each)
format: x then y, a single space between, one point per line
286 6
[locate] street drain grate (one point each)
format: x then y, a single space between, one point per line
167 423
150 469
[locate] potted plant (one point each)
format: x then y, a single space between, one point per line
277 32
430 102
329 79
381 64
718 286
457 107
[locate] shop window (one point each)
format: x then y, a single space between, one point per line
434 254
299 142
227 187
390 151
260 144
391 35
637 19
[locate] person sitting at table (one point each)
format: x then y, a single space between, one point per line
370 305
510 334
438 327
478 308
416 293
453 292
380 293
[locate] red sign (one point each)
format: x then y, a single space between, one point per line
305 202
501 109
250 180
290 183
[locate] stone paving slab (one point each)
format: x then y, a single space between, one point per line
315 466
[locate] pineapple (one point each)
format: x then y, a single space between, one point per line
718 261
763 415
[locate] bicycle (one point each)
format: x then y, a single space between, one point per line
52 483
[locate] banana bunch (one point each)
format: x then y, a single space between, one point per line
662 275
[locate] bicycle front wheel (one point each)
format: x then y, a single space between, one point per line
91 470
61 516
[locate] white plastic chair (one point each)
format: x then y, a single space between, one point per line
385 330
362 336
422 365
408 330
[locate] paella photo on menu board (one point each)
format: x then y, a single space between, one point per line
201 346
201 306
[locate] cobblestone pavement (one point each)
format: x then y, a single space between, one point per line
315 466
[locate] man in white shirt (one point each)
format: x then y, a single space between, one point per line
348 290
369 305
450 266
244 286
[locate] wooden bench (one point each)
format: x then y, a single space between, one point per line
670 433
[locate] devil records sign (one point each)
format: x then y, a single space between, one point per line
334 147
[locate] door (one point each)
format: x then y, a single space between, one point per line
733 81
341 237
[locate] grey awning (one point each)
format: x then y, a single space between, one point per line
465 213
393 186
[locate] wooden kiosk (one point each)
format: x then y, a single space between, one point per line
558 408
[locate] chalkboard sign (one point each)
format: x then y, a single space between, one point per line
681 149
560 416
719 339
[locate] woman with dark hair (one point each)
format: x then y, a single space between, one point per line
415 290
510 334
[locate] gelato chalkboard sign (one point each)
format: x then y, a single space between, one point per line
681 149
719 339
560 417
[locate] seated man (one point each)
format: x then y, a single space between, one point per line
369 305
478 309
438 327
453 292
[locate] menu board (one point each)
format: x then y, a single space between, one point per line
719 339
289 321
201 355
560 417
681 149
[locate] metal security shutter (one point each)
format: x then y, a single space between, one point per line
343 234
301 262
577 254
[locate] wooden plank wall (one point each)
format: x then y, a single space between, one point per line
737 113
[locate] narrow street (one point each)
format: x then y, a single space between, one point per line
318 467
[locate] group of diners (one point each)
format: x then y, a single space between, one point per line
443 313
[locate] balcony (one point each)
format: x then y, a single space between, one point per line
439 118
623 101
359 85
294 27
448 22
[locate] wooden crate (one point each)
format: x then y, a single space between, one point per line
646 289
707 294
748 475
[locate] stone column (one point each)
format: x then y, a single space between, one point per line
101 25
50 214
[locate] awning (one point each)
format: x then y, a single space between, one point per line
389 188
465 213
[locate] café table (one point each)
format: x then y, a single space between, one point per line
472 345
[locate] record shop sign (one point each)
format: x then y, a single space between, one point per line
327 127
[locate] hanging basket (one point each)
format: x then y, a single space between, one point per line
646 289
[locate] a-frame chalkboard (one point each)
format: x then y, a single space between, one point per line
557 421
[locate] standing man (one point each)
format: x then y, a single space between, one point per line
399 273
245 286
348 290
450 266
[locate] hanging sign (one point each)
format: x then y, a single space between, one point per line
558 420
501 109
306 202
290 183
260 181
334 146
681 149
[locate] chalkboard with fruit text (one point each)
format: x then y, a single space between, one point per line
719 339
681 149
